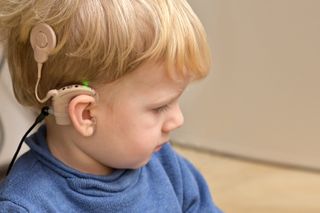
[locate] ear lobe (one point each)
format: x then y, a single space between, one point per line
80 114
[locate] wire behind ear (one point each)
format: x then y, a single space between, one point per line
43 41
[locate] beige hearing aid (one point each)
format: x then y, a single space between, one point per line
61 100
43 41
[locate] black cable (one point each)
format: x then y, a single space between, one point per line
41 117
2 60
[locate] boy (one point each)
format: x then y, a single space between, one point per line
110 152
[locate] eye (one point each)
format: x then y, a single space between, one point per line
161 109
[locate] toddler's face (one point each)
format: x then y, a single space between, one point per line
135 116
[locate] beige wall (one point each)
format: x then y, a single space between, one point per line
262 98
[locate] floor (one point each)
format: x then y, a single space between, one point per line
240 186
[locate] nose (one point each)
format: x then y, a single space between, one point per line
175 120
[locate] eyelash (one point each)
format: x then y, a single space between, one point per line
163 108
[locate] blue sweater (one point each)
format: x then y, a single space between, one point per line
40 183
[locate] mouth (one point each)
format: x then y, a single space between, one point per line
158 148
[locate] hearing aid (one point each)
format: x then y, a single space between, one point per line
43 41
61 99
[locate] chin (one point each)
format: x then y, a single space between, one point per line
139 165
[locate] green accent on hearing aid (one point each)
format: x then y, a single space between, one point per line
85 83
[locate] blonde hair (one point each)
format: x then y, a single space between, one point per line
100 41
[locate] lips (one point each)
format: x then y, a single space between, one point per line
157 149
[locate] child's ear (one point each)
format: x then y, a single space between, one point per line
80 112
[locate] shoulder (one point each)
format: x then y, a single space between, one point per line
24 184
181 173
169 161
176 166
173 163
189 185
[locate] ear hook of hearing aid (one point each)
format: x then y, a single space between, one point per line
43 41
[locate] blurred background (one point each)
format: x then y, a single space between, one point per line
252 126
14 119
255 120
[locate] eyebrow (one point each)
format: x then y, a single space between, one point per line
174 97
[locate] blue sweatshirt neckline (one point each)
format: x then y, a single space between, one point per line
118 181
39 182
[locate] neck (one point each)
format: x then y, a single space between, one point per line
63 144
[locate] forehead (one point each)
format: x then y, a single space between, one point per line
148 81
